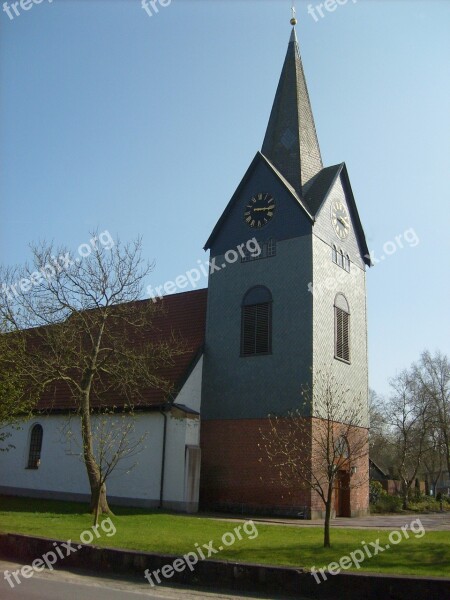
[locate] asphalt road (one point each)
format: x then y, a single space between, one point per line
64 585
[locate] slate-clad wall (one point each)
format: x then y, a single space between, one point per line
330 279
236 387
323 227
289 219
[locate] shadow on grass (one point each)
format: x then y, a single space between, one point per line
40 505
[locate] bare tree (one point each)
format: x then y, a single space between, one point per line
409 417
433 374
434 462
86 332
379 433
311 452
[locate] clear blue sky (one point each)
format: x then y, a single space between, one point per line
145 125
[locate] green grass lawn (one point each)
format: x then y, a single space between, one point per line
276 545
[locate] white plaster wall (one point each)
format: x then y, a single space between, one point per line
175 460
180 433
190 393
59 469
193 432
62 468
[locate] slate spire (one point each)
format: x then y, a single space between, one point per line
291 143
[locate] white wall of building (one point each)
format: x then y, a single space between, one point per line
190 394
62 473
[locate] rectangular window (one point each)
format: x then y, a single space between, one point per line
342 334
256 335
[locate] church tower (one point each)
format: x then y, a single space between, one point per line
286 299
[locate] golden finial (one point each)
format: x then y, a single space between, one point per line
294 18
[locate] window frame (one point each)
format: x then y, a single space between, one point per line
35 447
247 303
342 447
344 311
271 248
335 254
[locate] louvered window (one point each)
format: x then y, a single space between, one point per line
256 333
34 456
342 328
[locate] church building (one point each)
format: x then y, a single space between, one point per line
260 332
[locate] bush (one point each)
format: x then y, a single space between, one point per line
375 491
420 498
445 499
386 503
424 504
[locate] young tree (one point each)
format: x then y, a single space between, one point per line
85 328
310 452
115 443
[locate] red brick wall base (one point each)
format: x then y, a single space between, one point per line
237 476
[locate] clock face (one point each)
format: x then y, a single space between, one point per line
340 219
259 211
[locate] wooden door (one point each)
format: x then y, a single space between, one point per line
342 494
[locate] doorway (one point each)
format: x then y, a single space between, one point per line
342 494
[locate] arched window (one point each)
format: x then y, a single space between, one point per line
347 263
341 259
256 322
342 328
271 247
335 256
341 447
34 455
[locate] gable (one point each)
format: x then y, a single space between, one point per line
291 218
321 200
318 187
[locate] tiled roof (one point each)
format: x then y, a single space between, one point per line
182 315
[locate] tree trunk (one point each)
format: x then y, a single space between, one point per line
405 495
99 501
326 528
95 509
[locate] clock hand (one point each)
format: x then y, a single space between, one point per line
265 208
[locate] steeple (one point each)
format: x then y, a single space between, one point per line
291 143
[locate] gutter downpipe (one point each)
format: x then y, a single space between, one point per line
163 459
